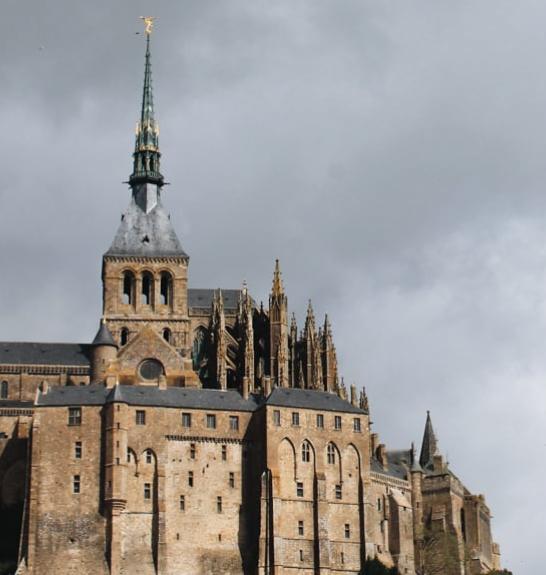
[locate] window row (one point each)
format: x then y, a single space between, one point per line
346 529
331 453
295 420
124 333
147 287
300 491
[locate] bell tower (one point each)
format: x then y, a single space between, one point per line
145 270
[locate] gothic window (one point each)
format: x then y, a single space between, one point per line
124 336
147 289
331 454
305 452
4 390
128 288
167 335
166 288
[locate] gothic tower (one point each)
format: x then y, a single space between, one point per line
278 326
145 270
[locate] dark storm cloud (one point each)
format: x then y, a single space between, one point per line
391 154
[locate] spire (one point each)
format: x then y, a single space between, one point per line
146 156
277 288
104 336
429 447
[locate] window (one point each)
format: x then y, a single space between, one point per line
320 420
124 336
128 455
305 452
167 335
339 493
74 416
224 452
342 557
299 489
146 291
4 390
234 422
192 450
165 290
147 491
337 422
378 504
295 418
76 485
128 288
190 478
219 504
331 454
231 479
78 450
148 456
151 369
301 554
140 417
276 417
300 528
356 424
182 503
186 420
211 421
347 531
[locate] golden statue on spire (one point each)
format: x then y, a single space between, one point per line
148 24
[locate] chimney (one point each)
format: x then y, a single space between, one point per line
381 455
354 400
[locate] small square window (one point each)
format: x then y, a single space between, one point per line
219 505
339 493
211 421
277 417
337 422
192 450
148 456
320 420
78 450
190 478
186 420
231 479
140 417
299 489
295 418
356 425
147 491
74 416
300 528
224 452
76 484
347 531
182 503
234 422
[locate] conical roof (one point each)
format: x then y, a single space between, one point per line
429 447
104 336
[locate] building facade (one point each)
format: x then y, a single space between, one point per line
200 433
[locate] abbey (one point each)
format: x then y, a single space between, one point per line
201 433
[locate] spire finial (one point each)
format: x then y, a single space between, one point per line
146 156
277 280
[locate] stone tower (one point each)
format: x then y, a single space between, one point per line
145 270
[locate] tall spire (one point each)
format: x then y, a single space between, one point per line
429 447
146 156
277 280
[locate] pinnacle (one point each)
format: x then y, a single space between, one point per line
278 288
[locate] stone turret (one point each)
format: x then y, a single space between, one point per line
104 351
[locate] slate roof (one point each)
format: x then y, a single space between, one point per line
146 234
202 298
33 353
310 399
396 464
104 336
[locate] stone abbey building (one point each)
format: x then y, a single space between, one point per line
200 433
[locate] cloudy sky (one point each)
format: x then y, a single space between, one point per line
391 154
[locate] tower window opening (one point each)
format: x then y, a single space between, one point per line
146 291
331 454
4 390
127 295
166 288
167 335
124 336
305 452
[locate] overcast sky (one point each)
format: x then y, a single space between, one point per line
391 154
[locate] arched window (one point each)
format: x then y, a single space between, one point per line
166 288
124 336
128 288
305 452
4 390
167 335
147 286
331 453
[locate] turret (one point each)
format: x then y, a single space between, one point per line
429 447
104 350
